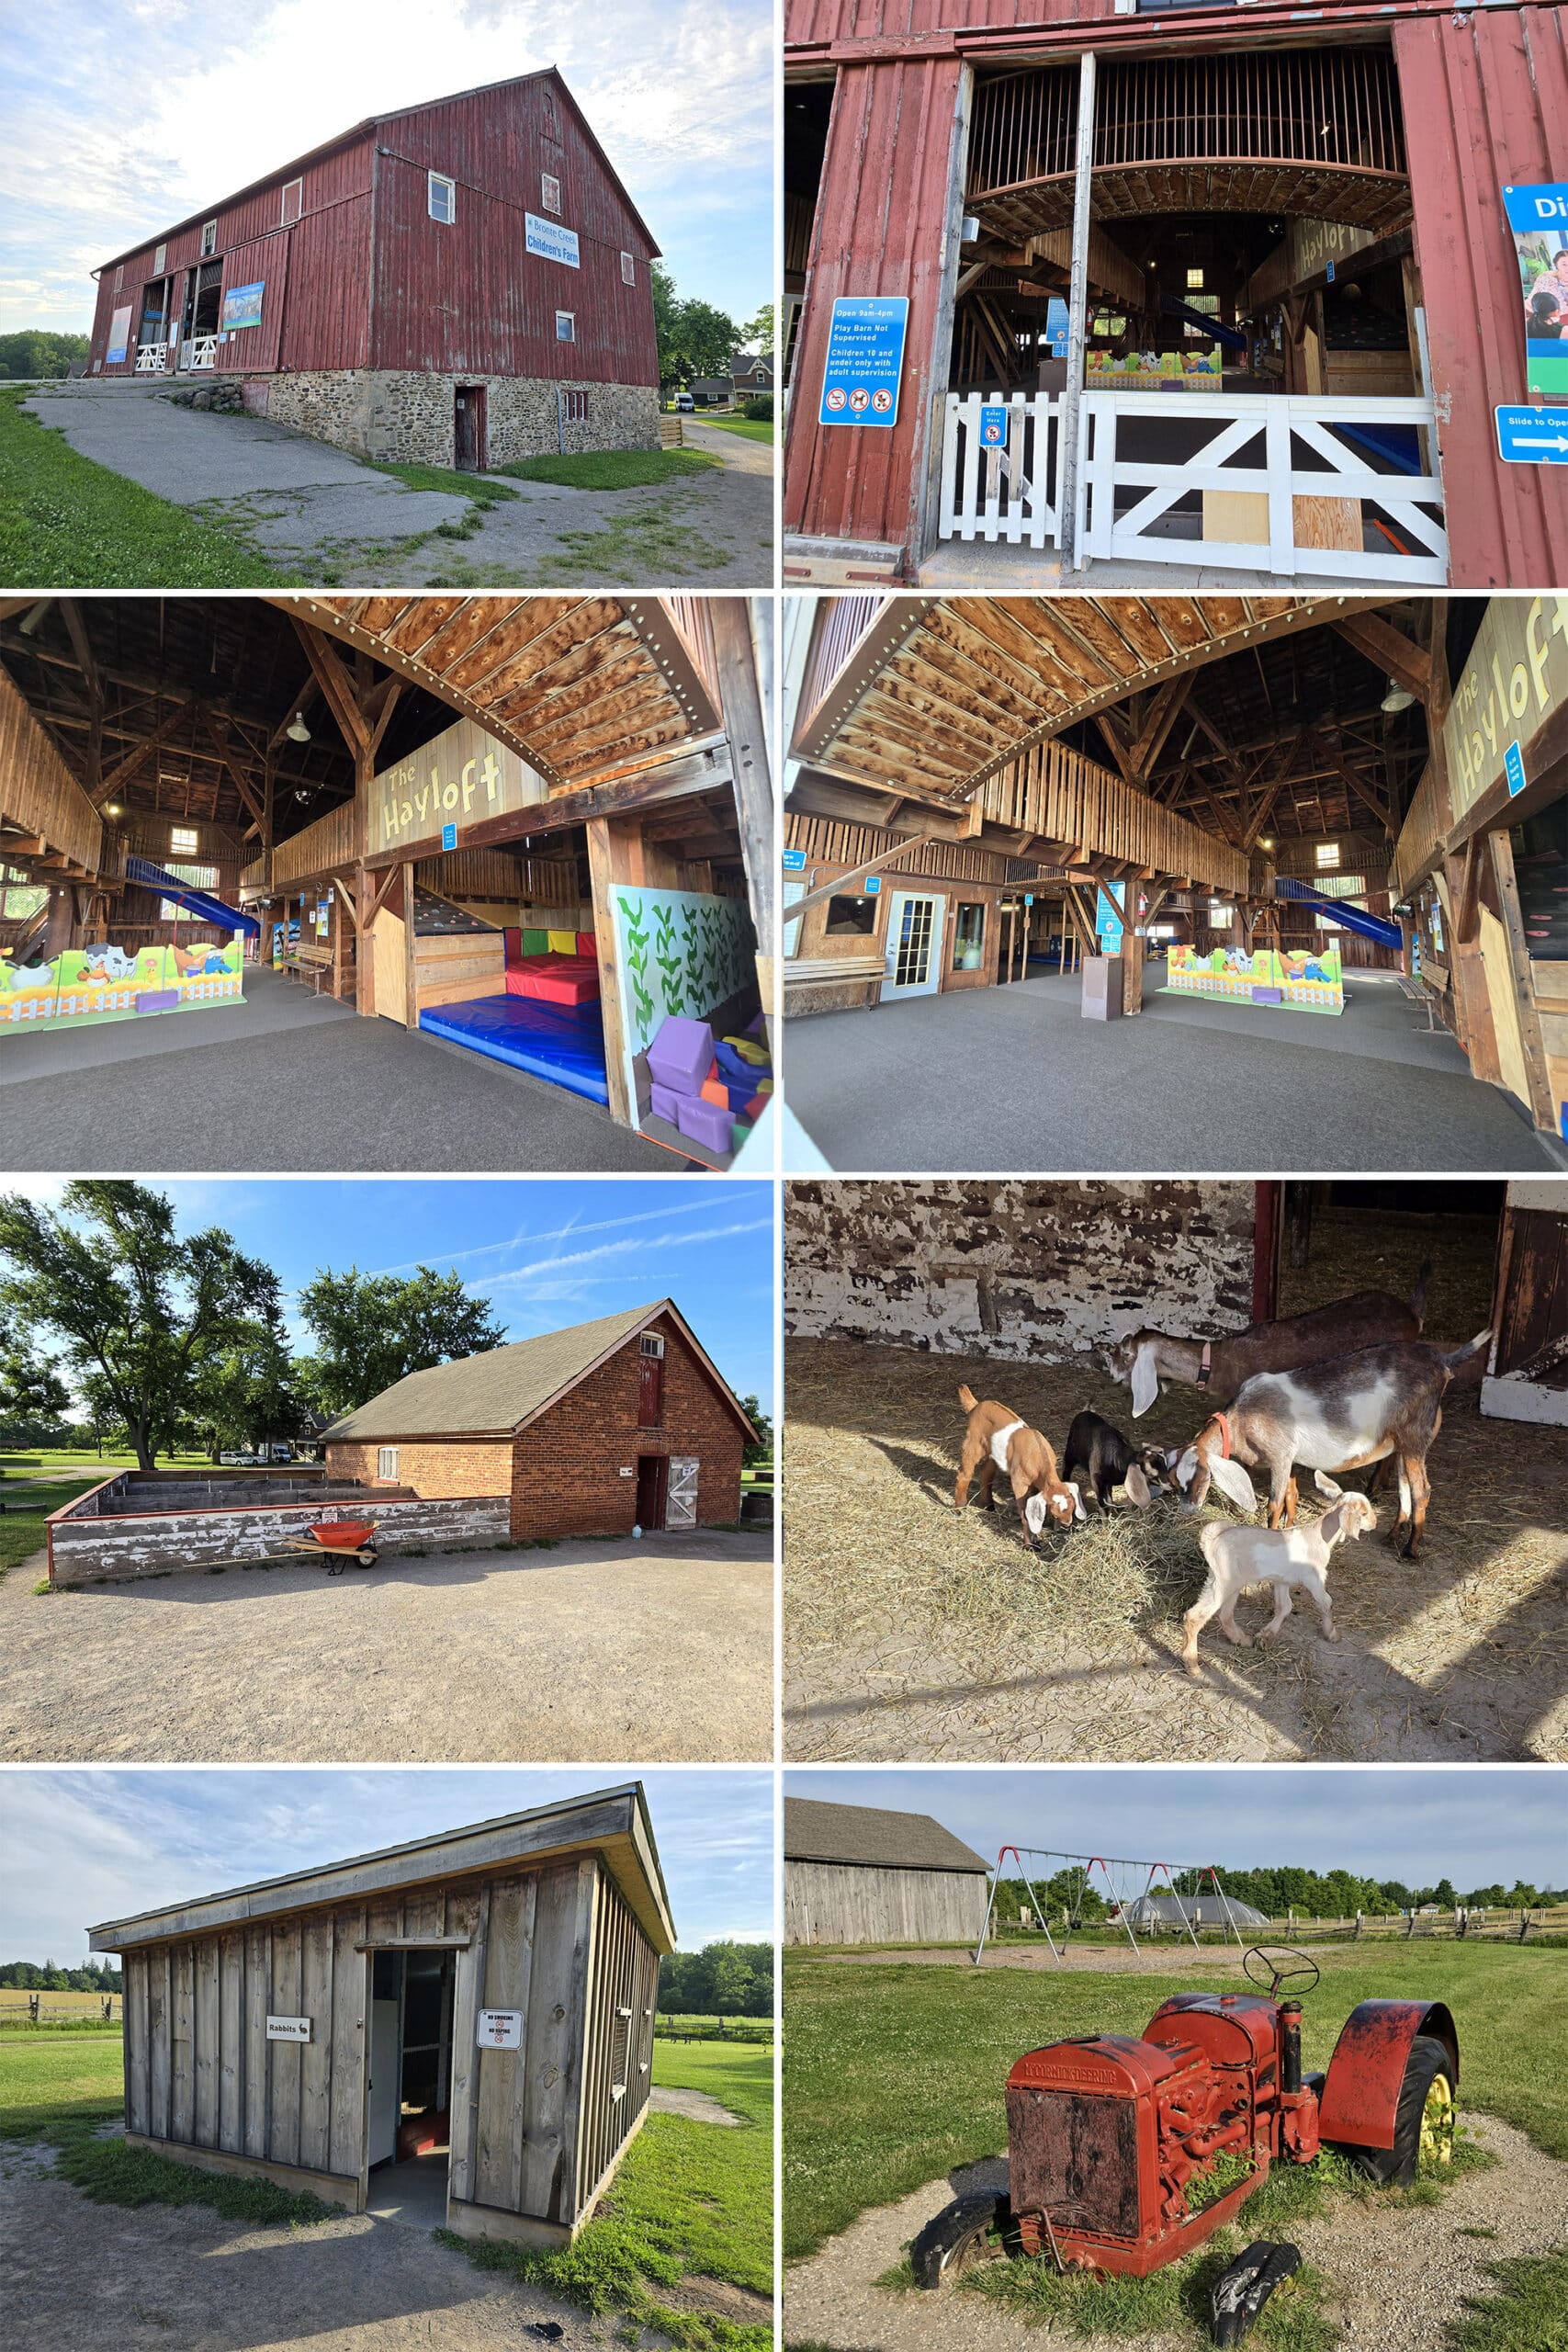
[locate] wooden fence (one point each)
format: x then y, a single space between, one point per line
1054 792
61 2008
1421 836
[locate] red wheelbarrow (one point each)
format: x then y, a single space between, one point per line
341 1539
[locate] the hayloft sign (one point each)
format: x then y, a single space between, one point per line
463 778
1516 677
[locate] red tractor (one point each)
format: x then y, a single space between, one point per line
1119 2151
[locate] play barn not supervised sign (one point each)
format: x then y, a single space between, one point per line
865 359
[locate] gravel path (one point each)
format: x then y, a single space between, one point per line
662 1650
674 2099
1397 2275
179 2278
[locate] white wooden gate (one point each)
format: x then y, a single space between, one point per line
1261 447
1008 492
681 1502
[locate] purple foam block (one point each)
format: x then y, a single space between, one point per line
666 1104
1268 996
706 1123
680 1055
157 999
754 1027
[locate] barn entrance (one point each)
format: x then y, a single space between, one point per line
408 2110
198 322
470 435
652 1491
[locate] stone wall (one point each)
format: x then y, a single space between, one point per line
409 418
122 1549
1021 1271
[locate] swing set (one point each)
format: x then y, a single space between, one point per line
1123 1892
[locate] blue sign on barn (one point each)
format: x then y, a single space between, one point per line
865 359
793 860
449 836
993 428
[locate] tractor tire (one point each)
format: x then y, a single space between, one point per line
1395 2167
955 2239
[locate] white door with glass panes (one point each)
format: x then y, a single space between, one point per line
913 955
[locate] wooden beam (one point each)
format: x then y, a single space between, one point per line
120 774
1391 650
336 682
1500 845
843 882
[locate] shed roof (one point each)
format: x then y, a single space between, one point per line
815 1832
373 123
612 1822
500 1392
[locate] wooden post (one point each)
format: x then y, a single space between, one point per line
605 856
1472 1005
1530 1041
411 988
745 724
364 952
1078 321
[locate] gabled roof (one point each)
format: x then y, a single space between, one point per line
374 122
815 1832
500 1392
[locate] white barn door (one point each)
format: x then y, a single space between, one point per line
681 1506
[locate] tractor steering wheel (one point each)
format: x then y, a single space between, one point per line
1299 1968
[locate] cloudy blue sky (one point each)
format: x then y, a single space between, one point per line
1475 1826
117 116
81 1847
542 1254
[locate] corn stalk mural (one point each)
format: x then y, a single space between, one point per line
677 951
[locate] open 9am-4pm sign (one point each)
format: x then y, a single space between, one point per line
865 359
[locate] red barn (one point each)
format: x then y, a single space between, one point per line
462 283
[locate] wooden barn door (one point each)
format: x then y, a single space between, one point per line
1527 1376
681 1508
652 1473
651 1381
264 265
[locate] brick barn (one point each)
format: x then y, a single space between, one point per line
462 283
592 1431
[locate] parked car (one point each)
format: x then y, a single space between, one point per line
684 404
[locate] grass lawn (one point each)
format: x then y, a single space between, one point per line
68 523
23 1531
27 1462
754 428
692 2202
948 2037
611 468
1529 2312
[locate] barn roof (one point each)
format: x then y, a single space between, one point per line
374 122
500 1392
612 1822
815 1832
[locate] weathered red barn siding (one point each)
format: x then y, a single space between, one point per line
1485 103
327 319
819 23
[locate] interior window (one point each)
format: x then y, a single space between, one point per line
969 936
853 918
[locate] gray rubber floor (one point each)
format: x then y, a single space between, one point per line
1015 1078
294 1081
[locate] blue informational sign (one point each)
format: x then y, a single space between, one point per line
993 428
1532 437
550 241
873 885
794 861
1058 326
865 359
1514 769
1538 218
241 307
449 836
1108 923
1331 273
1029 897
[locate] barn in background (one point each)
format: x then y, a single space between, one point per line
855 1874
462 283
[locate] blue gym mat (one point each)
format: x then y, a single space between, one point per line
564 1043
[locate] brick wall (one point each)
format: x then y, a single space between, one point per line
566 1474
430 1466
1022 1270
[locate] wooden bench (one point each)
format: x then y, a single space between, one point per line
806 976
1411 985
314 964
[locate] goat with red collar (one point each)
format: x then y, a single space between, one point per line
998 1440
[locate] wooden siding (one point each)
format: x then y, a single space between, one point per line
38 791
826 841
1056 792
625 1975
843 1902
332 843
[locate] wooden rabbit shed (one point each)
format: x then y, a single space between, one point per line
461 2027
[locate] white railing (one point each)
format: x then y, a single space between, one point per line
199 351
1009 491
151 358
1253 454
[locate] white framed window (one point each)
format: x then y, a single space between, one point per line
386 1462
574 408
441 197
183 840
208 238
1194 281
1327 857
293 203
628 269
549 192
160 256
566 326
650 1344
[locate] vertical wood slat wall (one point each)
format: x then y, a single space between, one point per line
625 1974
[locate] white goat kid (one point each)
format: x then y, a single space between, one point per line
1240 1556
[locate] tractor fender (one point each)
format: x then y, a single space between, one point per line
1360 2093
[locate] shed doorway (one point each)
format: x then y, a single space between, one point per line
469 429
408 2106
652 1491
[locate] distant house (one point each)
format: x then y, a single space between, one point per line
710 391
855 1874
1179 1911
751 371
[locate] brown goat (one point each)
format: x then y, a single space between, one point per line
998 1440
1370 1318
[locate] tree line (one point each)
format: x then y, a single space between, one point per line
723 1980
48 1976
1278 1894
695 339
32 352
174 1343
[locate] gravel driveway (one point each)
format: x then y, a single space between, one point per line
179 2278
661 1650
1397 2275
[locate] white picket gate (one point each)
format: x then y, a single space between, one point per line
1008 493
199 351
1254 450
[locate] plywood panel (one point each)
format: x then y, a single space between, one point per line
386 950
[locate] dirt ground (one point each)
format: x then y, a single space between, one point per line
1398 2276
910 1632
179 2278
661 1650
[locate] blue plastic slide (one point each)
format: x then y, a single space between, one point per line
1356 919
148 877
1231 337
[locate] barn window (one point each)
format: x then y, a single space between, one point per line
574 408
628 270
120 277
160 255
386 1462
549 191
293 202
566 326
183 840
209 238
442 198
1328 855
969 935
650 1344
851 915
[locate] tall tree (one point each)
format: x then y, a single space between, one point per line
250 1396
760 330
30 1390
141 1312
371 1330
761 1448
